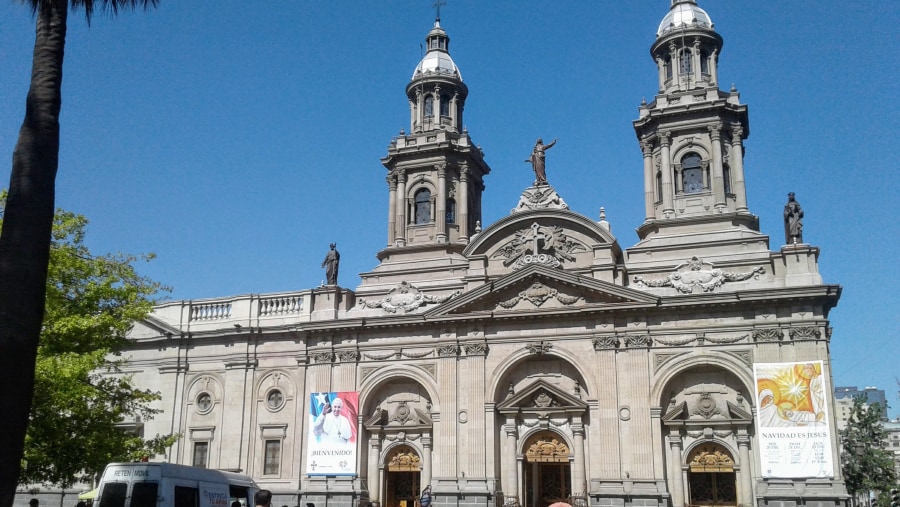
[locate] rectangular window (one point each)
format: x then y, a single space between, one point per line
201 454
187 497
273 457
143 494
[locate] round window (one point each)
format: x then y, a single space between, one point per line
274 399
204 403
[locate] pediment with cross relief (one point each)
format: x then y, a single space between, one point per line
540 287
541 397
555 238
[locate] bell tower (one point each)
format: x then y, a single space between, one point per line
691 136
435 172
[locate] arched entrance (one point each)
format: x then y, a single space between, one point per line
547 473
402 480
711 477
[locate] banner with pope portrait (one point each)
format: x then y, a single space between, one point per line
331 442
792 420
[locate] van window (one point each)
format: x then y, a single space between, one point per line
187 497
143 494
114 494
239 493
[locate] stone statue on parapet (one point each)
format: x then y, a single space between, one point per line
793 221
537 160
331 263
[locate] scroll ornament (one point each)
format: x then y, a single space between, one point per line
697 273
406 297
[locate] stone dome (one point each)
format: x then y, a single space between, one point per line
684 13
437 60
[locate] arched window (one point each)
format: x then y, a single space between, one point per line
726 174
445 105
451 211
659 196
429 106
668 66
685 67
704 62
692 174
423 206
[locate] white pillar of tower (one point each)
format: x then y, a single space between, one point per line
426 461
437 106
649 183
695 61
400 236
718 181
713 67
668 206
737 168
420 111
440 219
392 209
412 116
579 480
454 103
463 205
661 71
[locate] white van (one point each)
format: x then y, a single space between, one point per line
170 485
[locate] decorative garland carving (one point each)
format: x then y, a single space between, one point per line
804 333
447 350
542 197
772 334
722 341
416 355
676 343
375 357
538 294
406 297
711 459
545 245
405 462
697 273
605 342
638 341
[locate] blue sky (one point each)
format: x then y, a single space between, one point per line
237 142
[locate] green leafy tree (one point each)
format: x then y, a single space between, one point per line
80 397
25 237
866 464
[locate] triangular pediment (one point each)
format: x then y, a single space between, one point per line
541 397
541 288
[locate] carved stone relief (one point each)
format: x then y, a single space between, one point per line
545 245
538 348
538 294
406 297
772 334
804 333
697 274
547 449
638 341
605 342
541 197
447 350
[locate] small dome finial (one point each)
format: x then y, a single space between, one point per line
437 6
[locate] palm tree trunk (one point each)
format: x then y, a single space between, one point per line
25 239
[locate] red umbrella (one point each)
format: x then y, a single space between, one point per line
559 504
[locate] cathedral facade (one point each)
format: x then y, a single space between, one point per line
534 359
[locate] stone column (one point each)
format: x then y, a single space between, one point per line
649 179
510 470
463 205
579 480
440 219
745 478
718 182
392 209
679 178
426 461
412 115
737 167
374 462
665 140
400 212
677 473
713 72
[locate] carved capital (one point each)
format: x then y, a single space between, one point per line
665 138
605 342
715 131
772 334
476 349
323 357
447 350
804 333
441 170
348 356
401 175
638 341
